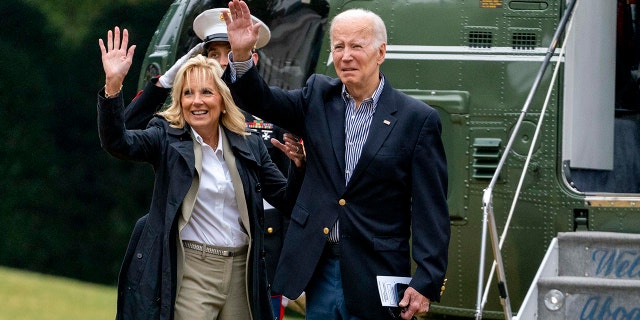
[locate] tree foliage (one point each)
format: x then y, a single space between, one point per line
67 207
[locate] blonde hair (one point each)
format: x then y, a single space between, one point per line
203 67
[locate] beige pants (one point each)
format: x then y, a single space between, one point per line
213 286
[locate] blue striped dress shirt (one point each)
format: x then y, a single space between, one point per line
356 128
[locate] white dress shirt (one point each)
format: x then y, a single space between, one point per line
215 219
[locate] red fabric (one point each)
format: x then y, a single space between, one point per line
278 297
137 95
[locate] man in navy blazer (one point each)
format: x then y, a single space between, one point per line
376 175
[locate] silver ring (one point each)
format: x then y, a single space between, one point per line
297 149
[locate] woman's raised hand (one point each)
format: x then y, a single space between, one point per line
116 58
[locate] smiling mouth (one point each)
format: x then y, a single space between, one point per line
199 112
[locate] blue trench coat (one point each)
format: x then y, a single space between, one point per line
148 279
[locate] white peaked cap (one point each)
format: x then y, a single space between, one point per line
209 26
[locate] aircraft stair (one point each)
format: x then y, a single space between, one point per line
586 275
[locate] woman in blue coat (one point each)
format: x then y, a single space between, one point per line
200 253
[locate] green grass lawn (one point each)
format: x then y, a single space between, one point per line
27 295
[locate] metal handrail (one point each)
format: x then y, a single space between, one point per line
487 198
528 158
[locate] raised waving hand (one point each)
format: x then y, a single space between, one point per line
116 59
243 34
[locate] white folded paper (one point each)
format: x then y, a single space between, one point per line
387 289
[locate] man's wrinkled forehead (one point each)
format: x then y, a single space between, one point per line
352 33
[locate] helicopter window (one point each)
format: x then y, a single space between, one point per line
601 142
188 38
297 31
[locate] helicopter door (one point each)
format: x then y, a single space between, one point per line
589 88
601 136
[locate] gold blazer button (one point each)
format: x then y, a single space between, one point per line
269 230
342 202
325 230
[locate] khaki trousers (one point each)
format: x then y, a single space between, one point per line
213 287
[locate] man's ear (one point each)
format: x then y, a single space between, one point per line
255 57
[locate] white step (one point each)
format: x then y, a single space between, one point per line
586 276
599 254
577 298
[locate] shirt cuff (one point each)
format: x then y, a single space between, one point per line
238 69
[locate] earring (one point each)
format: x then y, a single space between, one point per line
224 111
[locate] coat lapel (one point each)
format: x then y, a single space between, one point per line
192 156
335 121
238 186
185 146
190 199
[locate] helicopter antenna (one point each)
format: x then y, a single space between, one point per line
487 199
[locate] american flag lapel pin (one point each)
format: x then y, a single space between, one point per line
387 122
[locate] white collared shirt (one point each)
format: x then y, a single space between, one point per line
215 219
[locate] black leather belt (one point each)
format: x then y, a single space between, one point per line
332 249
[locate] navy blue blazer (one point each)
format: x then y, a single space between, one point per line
397 190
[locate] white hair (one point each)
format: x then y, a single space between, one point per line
379 29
